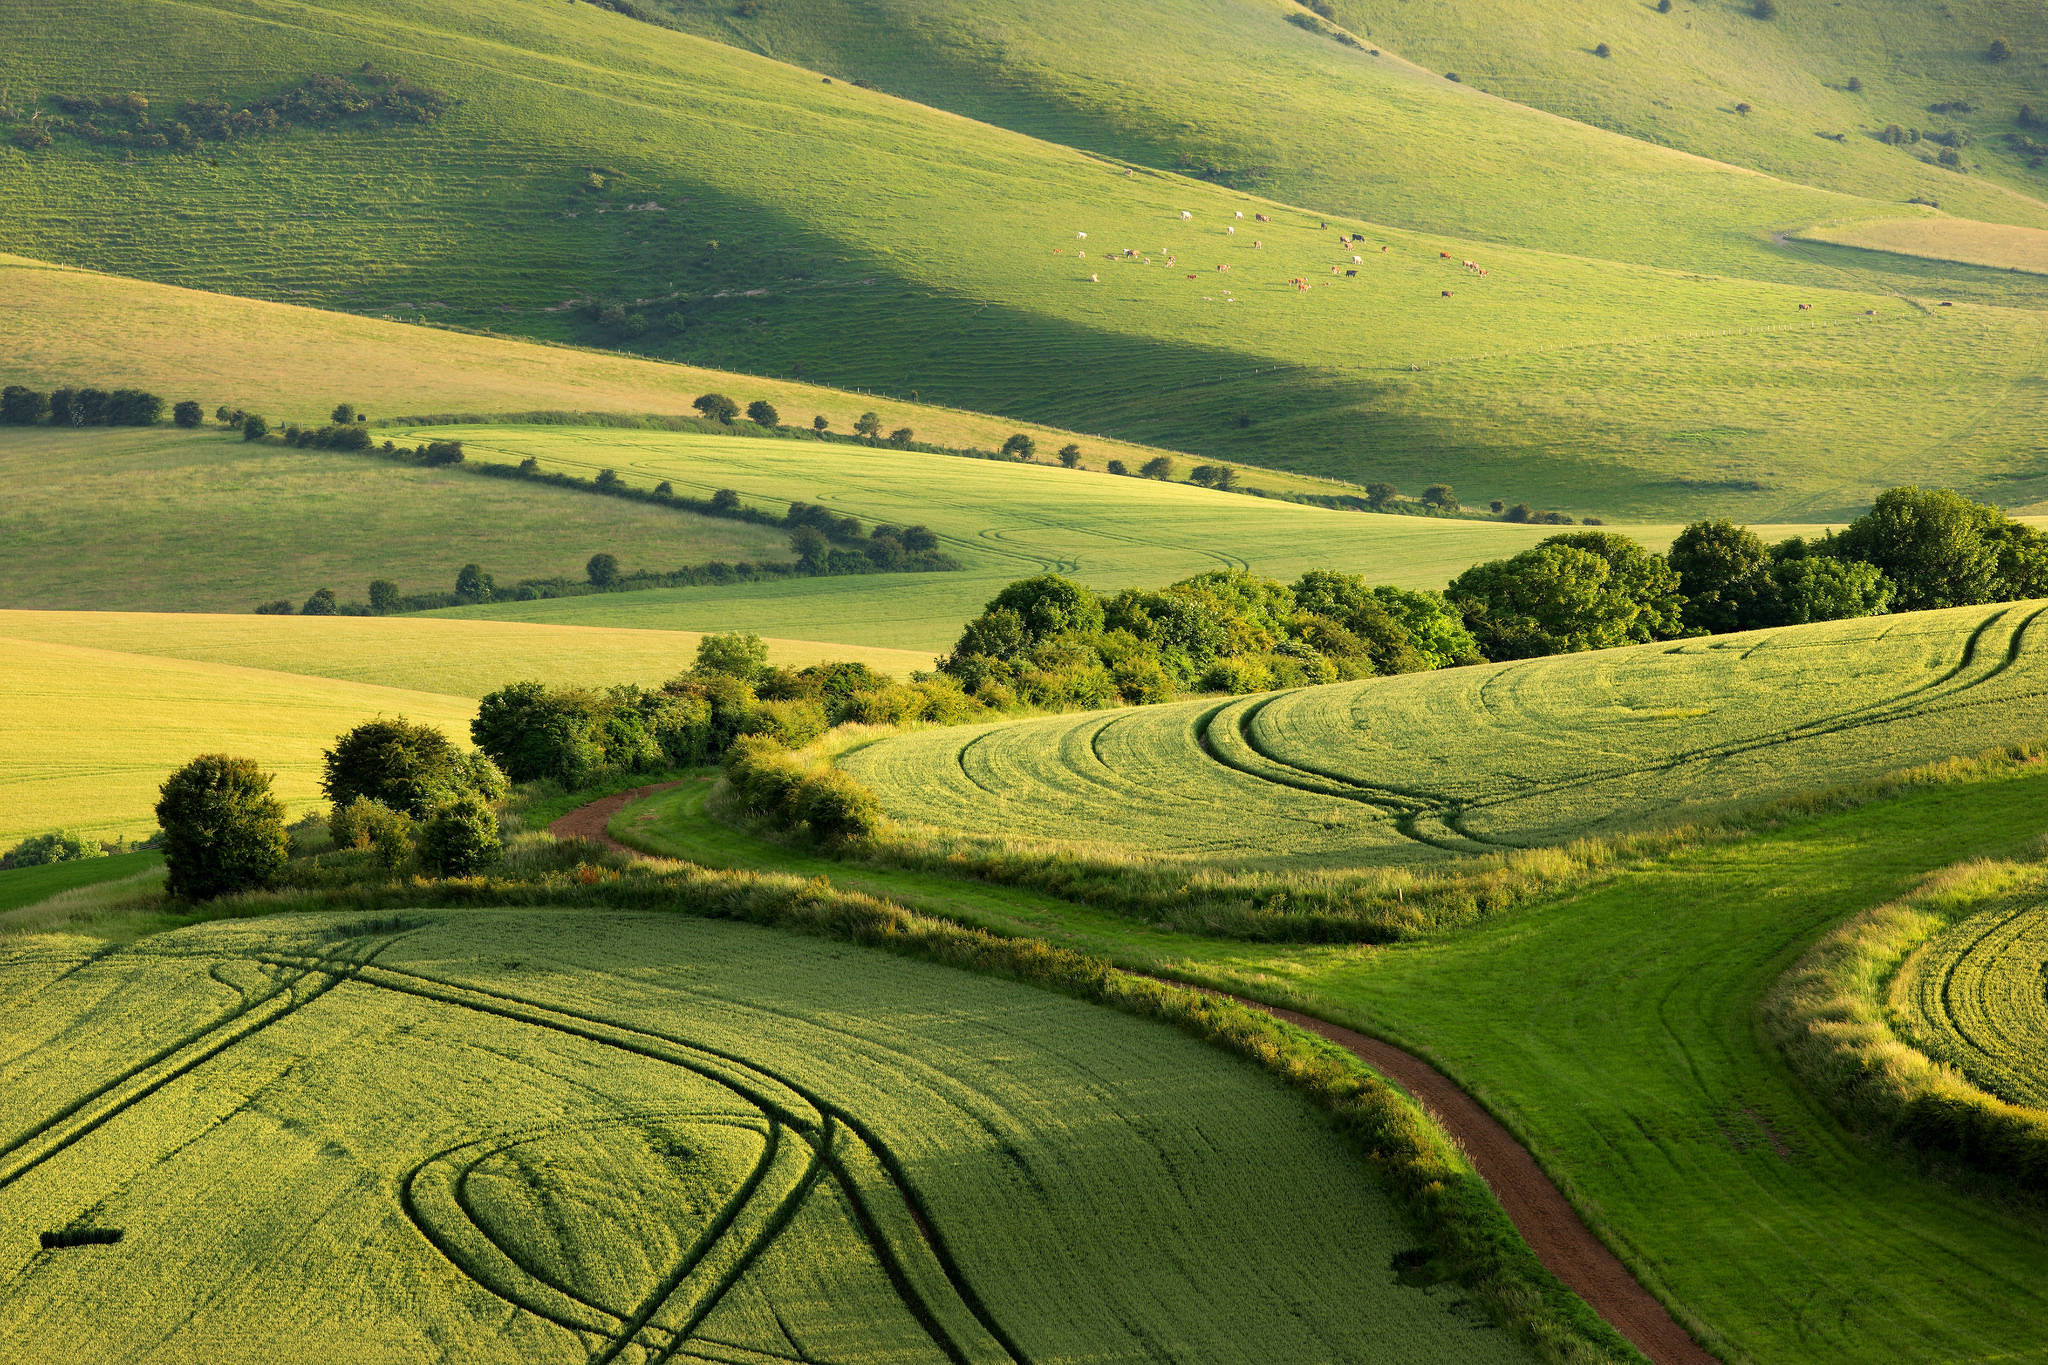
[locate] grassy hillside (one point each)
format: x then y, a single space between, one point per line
1240 93
91 733
1003 521
1614 1030
21 886
169 520
929 267
1429 765
659 1138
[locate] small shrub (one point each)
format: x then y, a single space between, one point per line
761 412
473 585
821 424
717 407
1439 495
792 724
383 596
1999 50
461 837
278 607
1070 455
737 655
1520 512
1603 50
1893 135
603 571
867 426
1765 9
1742 106
254 428
58 846
608 481
529 467
321 603
1496 507
726 500
368 825
1117 467
343 413
20 407
1855 85
223 830
901 437
1663 6
1158 467
188 414
836 807
1020 447
1380 494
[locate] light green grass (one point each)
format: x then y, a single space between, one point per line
577 1134
91 734
1430 765
1003 521
107 519
20 886
1614 1030
1973 998
928 266
1997 245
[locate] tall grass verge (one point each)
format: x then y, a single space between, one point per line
1829 1015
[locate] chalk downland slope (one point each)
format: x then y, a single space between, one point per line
1428 766
1997 246
928 266
553 1136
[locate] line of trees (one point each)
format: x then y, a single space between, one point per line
21 406
1915 550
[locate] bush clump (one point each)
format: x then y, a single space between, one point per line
223 831
58 846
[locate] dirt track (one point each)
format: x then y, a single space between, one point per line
1553 1229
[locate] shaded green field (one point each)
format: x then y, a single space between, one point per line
109 519
585 1135
1976 997
930 269
1430 765
21 886
1613 1029
1003 521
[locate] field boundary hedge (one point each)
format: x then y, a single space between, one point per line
1468 1237
1829 1015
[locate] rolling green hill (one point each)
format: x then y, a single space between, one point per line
1431 765
925 263
571 1135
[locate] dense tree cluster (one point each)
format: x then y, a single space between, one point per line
1049 641
22 406
1916 549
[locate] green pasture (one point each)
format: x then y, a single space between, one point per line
1236 92
1973 997
1003 521
926 267
21 886
1613 1030
119 519
1429 765
581 1135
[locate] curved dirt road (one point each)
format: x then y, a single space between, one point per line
1540 1212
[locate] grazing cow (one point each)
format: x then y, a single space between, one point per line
1870 312
1191 277
1059 251
1946 304
1447 293
1240 213
1230 230
1357 236
1335 268
1350 273
1358 260
1185 215
1262 218
1443 255
1382 248
1258 246
1223 267
1095 279
1082 235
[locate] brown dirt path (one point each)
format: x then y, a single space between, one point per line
588 822
1539 1210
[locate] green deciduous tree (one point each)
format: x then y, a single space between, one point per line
867 426
254 428
1158 467
472 584
1439 495
1380 494
383 596
761 412
460 837
22 407
408 767
223 831
1646 579
739 655
1020 446
1933 544
1723 570
1070 455
188 414
321 603
810 547
603 571
1553 599
717 407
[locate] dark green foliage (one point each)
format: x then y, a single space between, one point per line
22 407
902 437
89 407
1439 495
321 603
343 414
1855 85
460 838
1553 599
1603 50
762 413
769 783
1936 546
1644 578
1070 455
1764 9
406 767
1158 467
348 436
1218 476
188 414
1116 467
1663 6
1821 588
223 831
837 808
472 584
867 426
279 607
717 407
366 95
58 846
1723 569
603 571
1020 447
725 500
439 452
1380 494
254 428
821 424
383 596
810 547
741 656
1893 134
1999 50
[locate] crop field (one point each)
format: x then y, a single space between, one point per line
457 657
1427 765
1999 246
1003 521
765 256
114 519
1976 997
576 1136
92 733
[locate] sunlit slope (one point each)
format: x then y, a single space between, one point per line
1002 521
1233 90
924 262
91 733
456 657
1676 78
560 1135
1972 997
1425 766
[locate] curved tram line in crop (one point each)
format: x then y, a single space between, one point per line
807 1142
1977 998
